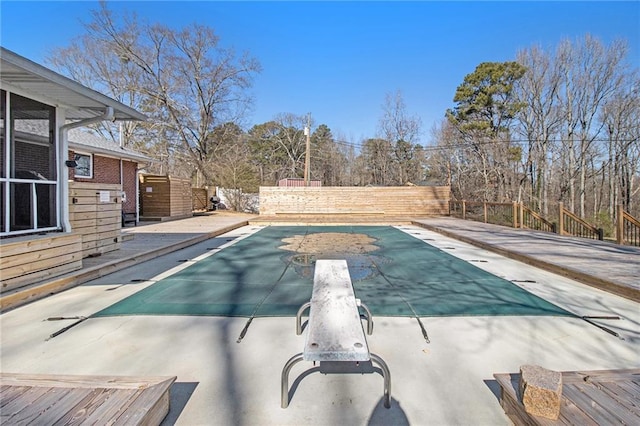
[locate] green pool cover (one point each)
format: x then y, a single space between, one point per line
394 273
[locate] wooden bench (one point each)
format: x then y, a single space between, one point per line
129 218
335 337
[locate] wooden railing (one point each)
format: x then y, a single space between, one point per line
505 214
627 228
570 224
518 215
532 220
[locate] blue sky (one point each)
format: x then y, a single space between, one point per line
338 60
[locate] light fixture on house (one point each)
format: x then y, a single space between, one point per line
72 164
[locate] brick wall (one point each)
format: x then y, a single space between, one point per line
105 170
129 173
33 157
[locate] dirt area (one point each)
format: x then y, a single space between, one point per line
330 242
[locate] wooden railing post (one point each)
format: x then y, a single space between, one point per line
620 224
561 218
521 211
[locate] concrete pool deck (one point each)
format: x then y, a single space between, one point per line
448 381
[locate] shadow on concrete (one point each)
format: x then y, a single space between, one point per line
388 416
336 367
494 387
179 395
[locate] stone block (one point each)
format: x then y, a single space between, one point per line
541 391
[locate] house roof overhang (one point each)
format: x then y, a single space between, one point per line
80 102
120 153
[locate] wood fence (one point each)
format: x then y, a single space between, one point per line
29 259
627 228
398 201
95 217
95 213
199 199
165 197
505 214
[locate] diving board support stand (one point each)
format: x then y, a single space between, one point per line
335 336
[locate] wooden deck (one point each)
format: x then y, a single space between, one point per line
588 398
603 265
57 399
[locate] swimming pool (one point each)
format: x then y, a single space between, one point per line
270 273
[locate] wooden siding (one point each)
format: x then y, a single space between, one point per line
26 260
165 196
387 201
97 222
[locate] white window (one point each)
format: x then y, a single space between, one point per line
28 177
84 167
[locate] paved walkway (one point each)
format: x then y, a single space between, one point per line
610 267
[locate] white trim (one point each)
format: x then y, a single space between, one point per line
12 88
7 181
79 147
91 160
137 194
7 168
63 171
45 76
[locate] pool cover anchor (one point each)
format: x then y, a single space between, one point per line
245 329
255 310
415 314
62 330
589 319
424 330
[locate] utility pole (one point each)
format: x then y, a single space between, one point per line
307 157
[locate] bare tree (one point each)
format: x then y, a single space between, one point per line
183 79
591 73
621 115
279 146
401 131
395 123
538 122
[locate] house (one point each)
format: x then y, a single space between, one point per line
38 108
100 160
